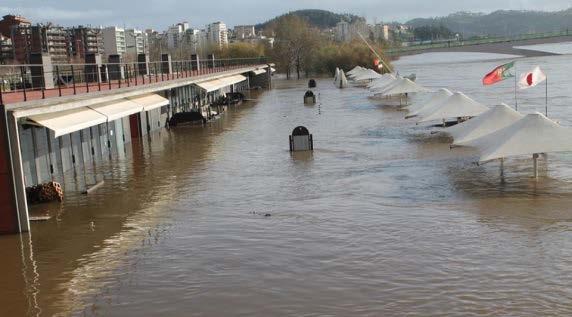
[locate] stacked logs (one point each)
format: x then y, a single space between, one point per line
43 193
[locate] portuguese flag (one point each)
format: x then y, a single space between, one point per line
498 74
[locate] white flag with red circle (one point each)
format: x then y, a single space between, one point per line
532 78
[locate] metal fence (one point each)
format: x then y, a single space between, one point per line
20 83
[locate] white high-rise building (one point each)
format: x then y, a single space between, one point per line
175 34
343 32
191 40
136 42
381 32
217 34
114 40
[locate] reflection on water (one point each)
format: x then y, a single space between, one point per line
383 218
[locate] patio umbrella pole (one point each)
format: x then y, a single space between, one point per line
535 163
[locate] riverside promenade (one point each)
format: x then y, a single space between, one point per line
61 121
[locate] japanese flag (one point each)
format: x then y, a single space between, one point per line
531 79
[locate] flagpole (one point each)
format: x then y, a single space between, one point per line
546 101
515 98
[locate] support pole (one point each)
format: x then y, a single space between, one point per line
515 97
535 163
546 97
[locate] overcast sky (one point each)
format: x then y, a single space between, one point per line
159 14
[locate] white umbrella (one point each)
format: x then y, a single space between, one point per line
341 80
489 122
383 82
401 86
456 106
355 70
532 134
336 75
368 74
437 99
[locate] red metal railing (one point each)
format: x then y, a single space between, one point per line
19 83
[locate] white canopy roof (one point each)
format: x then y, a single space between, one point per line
216 84
68 121
258 71
438 98
491 121
150 101
456 106
532 134
402 86
368 74
117 109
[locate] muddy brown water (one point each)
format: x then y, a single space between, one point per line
383 219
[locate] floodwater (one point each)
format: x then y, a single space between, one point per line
556 48
383 219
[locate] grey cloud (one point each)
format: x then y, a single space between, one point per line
161 13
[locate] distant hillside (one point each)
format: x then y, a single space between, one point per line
321 19
501 23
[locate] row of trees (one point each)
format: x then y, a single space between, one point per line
302 50
432 32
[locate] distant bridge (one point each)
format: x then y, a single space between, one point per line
500 45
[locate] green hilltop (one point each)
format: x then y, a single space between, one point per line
321 19
501 23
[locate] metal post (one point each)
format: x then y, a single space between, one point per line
22 72
535 163
1 90
73 80
98 70
515 98
43 84
546 96
108 76
136 71
59 80
86 80
156 77
127 75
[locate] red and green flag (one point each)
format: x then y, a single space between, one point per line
498 74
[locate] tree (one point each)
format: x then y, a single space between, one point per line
432 32
304 49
